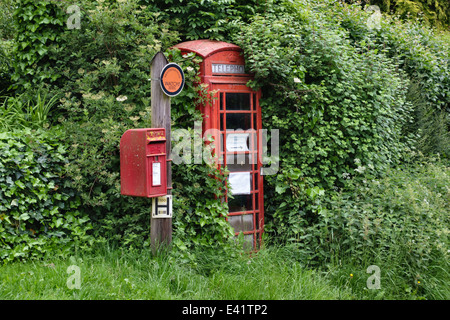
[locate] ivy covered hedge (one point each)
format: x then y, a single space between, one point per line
348 100
103 89
39 25
39 213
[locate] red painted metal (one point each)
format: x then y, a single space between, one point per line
227 57
141 152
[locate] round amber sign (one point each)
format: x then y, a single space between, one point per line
172 79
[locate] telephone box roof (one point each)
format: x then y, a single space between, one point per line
205 48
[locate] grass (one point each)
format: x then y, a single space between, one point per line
115 274
402 224
409 245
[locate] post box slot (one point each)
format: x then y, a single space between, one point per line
156 154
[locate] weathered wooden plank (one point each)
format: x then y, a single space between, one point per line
161 229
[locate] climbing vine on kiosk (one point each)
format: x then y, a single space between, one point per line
198 188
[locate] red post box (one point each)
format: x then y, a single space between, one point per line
143 166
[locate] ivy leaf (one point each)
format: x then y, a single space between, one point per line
41 50
281 188
314 192
24 216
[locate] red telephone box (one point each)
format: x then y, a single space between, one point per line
235 115
143 164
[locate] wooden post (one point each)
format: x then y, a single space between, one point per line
161 229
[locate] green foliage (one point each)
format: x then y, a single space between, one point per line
332 101
399 222
38 25
199 209
184 111
376 222
430 12
342 95
115 274
421 52
23 111
431 124
7 34
7 27
104 90
6 67
203 19
94 169
108 57
39 213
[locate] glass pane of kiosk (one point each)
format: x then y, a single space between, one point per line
238 101
239 121
239 117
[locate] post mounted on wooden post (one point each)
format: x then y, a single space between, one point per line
161 229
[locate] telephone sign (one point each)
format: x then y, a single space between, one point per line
228 68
